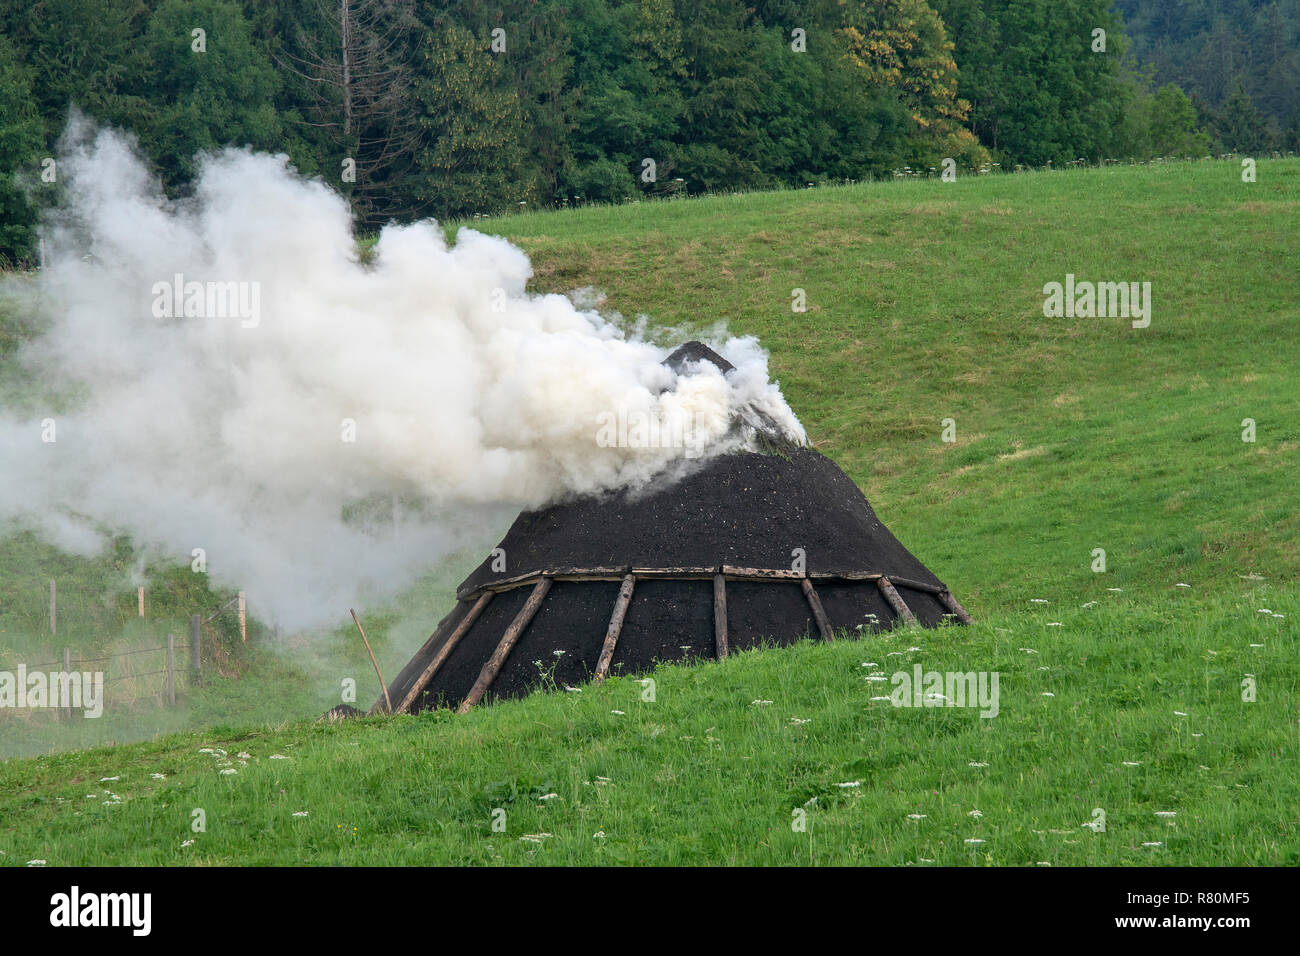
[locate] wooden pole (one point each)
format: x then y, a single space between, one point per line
444 652
950 602
382 682
615 628
818 612
498 658
140 600
896 601
171 669
243 617
720 616
54 610
196 628
67 669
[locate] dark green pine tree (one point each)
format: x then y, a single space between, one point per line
1240 126
718 137
20 147
1038 90
208 91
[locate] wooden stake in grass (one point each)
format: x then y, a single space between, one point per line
67 669
196 627
140 599
382 682
171 669
243 617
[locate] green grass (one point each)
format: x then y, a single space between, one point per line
924 303
704 774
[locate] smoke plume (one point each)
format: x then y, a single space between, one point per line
223 373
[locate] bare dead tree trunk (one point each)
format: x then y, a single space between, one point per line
345 56
355 62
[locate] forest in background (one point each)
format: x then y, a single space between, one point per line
451 110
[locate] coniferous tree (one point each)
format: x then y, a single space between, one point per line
20 144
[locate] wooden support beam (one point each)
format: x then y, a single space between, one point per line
950 602
818 612
615 627
676 574
730 572
431 669
720 616
508 640
845 575
530 578
760 574
895 601
898 582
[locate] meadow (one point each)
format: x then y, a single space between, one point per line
1124 690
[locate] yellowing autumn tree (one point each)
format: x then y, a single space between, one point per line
901 45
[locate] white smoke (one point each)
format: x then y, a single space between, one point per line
467 397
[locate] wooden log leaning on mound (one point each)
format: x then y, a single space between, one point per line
720 616
508 641
615 627
954 608
895 600
444 652
818 612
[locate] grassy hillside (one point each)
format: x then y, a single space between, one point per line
924 304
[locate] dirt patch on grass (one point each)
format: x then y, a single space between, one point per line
1020 454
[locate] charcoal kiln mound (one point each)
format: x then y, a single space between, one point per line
741 549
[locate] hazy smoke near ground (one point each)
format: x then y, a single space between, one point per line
282 433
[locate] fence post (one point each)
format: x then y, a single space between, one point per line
243 617
171 669
140 595
195 627
53 610
67 669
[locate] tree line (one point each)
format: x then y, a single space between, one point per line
414 109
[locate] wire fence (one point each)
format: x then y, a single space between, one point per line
132 686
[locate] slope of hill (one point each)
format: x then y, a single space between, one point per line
1162 690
